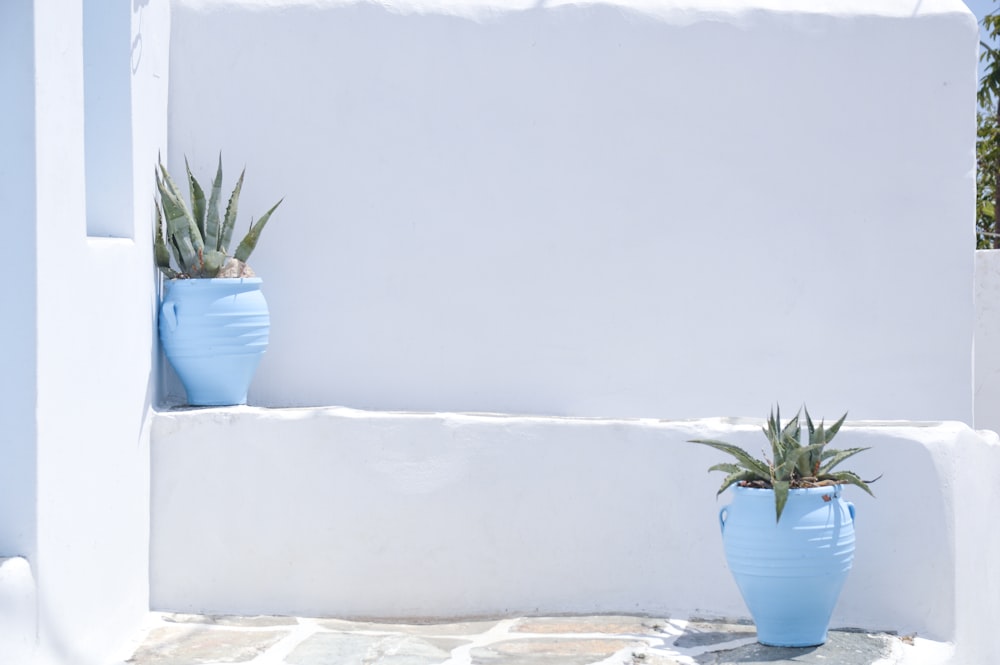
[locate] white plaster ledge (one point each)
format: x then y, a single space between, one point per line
342 512
676 12
18 611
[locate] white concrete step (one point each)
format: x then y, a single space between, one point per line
339 512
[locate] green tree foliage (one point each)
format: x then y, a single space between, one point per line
988 165
988 139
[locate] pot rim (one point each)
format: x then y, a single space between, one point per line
826 489
192 280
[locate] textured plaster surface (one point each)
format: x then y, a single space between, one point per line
79 442
575 209
352 513
987 340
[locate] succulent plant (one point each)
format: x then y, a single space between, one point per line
197 237
792 464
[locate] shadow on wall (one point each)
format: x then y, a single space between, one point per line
904 536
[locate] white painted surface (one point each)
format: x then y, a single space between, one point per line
977 573
599 209
107 74
351 513
18 612
83 339
680 11
17 361
987 340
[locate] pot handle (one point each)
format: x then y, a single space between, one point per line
169 313
850 509
723 516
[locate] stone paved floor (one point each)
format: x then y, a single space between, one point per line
179 639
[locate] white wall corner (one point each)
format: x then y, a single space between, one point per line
976 460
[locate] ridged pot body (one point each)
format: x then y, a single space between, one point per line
214 332
790 572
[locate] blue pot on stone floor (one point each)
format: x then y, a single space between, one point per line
789 572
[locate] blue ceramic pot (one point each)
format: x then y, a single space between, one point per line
214 332
790 572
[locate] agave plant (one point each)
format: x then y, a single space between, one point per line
197 236
793 464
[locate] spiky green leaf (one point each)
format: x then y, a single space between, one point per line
214 261
780 488
197 200
160 252
727 467
835 457
736 477
229 221
179 229
794 460
170 185
742 456
249 242
850 478
173 193
834 428
212 219
792 428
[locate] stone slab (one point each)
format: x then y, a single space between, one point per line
552 651
710 633
612 625
199 645
415 628
226 620
360 649
842 648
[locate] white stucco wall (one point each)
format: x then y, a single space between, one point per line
18 611
17 362
987 340
351 513
82 334
615 209
977 574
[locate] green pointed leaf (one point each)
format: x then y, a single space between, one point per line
170 185
792 427
174 250
173 193
249 242
214 261
736 477
179 226
728 468
792 462
834 428
850 478
780 498
747 460
197 199
835 457
160 252
229 221
212 219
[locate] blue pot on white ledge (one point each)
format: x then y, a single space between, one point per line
790 572
214 333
